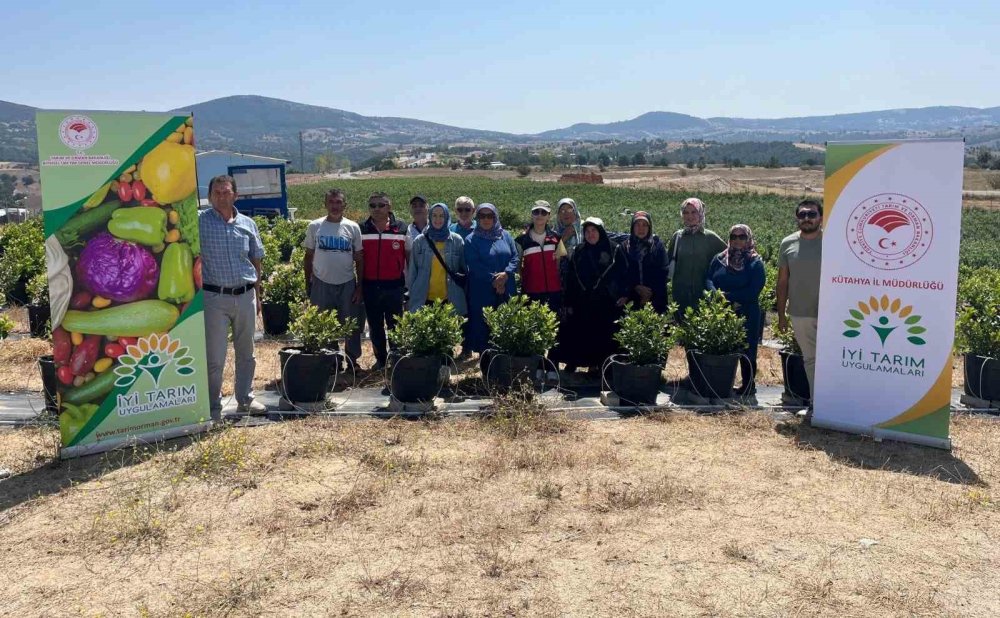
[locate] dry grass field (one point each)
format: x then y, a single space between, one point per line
523 515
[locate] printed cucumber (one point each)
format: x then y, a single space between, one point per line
137 319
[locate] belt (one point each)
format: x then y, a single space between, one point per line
208 287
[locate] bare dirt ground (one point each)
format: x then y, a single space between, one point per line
533 516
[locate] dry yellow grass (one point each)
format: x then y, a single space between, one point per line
670 515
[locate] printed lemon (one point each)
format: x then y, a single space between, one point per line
168 172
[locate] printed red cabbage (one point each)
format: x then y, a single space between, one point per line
116 269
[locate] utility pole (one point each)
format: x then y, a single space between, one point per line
302 154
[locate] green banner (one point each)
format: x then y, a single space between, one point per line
119 196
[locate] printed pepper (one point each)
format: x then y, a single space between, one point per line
73 418
176 274
145 226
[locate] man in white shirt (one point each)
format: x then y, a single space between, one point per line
334 264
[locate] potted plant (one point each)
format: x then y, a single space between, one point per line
22 255
793 368
38 307
306 369
425 337
521 331
644 336
713 336
979 338
284 288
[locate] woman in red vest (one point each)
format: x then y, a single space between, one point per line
537 248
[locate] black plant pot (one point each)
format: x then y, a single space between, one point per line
982 377
276 317
305 376
503 372
18 293
416 379
793 370
47 366
636 384
712 375
38 320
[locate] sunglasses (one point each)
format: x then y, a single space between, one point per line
374 206
738 237
485 215
538 212
807 214
464 210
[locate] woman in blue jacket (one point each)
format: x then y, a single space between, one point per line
738 272
491 257
429 279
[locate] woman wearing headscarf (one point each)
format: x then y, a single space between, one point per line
738 272
689 253
646 280
491 257
568 225
593 297
436 258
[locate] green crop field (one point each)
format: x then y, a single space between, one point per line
770 216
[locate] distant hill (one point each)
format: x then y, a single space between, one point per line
651 124
18 141
269 126
941 121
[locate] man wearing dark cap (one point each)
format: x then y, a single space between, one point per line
418 210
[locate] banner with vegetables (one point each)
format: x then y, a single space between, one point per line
120 201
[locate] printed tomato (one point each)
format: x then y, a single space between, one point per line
124 192
114 350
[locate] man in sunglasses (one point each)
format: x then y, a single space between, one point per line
385 249
798 281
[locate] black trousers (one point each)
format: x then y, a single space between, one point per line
383 304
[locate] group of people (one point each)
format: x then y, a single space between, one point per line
375 270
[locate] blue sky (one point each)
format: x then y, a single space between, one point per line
509 66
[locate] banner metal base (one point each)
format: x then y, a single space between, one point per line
70 452
880 434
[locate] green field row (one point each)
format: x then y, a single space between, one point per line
770 216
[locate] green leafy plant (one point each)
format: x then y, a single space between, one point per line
285 286
6 326
978 331
644 335
787 340
432 330
319 329
522 327
22 254
712 327
38 289
769 294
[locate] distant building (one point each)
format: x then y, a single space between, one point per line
214 163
